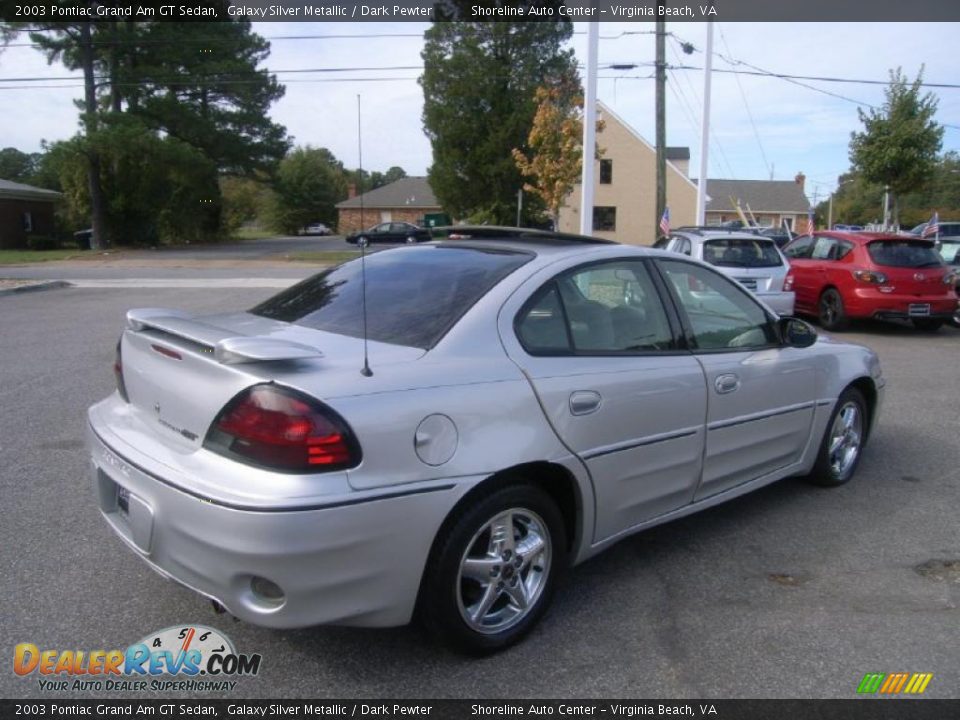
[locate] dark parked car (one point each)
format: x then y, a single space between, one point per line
392 232
780 236
842 275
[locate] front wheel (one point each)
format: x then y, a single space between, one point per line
493 570
843 441
832 314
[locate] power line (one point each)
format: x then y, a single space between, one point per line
746 106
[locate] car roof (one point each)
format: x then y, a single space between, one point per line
701 235
863 237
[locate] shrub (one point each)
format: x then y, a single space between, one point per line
42 242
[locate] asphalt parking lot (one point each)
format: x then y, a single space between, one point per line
792 591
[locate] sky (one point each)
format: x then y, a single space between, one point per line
760 126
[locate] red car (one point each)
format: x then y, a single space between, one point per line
843 275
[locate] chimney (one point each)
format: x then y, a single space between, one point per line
351 190
800 179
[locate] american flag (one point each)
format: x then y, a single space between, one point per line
933 227
811 224
665 221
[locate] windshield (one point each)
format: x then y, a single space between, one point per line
414 295
741 252
903 253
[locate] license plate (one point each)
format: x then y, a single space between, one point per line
123 500
918 309
748 283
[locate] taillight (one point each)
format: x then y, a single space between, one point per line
282 429
951 278
118 373
788 283
870 276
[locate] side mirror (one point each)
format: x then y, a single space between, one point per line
796 333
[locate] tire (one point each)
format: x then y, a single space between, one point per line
476 582
843 441
930 325
831 312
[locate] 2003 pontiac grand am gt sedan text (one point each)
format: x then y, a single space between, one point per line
531 398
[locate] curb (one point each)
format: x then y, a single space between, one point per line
45 285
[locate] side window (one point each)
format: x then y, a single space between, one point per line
607 308
799 248
843 249
684 246
722 316
542 328
825 248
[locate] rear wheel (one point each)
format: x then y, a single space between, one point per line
493 570
832 314
928 324
843 441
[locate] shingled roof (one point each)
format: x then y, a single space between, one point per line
19 191
408 192
760 195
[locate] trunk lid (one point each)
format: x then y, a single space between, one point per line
180 371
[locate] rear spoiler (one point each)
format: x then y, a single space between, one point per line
227 347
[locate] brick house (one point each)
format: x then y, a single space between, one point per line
405 200
24 210
772 202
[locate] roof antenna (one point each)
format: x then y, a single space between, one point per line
362 242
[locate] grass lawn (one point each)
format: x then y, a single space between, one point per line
329 257
18 257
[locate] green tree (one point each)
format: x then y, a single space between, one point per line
309 183
478 84
393 174
900 141
18 166
195 89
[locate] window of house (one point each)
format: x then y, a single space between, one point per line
605 218
27 222
606 172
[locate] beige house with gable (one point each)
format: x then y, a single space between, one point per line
625 191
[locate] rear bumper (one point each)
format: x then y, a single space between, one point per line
869 302
351 562
780 302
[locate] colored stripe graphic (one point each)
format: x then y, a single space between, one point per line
894 683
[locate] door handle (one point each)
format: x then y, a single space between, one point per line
726 383
584 402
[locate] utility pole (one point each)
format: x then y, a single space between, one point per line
661 123
705 129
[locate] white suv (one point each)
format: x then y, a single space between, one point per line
752 260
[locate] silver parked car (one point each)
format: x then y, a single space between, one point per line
506 407
751 259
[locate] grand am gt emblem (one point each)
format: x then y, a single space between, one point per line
181 431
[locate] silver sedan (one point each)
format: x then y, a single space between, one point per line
442 435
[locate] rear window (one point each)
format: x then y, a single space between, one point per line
741 252
903 253
414 295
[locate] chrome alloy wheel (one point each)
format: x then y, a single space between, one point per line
504 571
846 439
